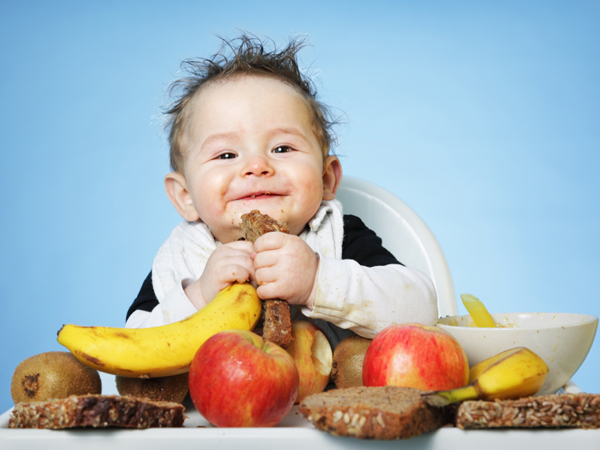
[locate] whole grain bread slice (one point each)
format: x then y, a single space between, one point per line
98 411
384 413
544 411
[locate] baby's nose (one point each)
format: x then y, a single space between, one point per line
258 165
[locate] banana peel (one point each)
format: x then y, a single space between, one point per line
512 374
164 350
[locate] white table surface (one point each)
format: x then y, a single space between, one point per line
292 433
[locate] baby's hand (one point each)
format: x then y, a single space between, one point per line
228 264
286 268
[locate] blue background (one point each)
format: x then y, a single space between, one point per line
482 116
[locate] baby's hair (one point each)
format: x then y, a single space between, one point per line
248 57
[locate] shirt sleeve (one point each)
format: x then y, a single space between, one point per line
368 289
146 311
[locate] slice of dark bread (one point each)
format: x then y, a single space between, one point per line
544 411
387 412
98 411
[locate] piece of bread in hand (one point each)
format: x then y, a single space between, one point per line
387 412
254 225
277 325
97 411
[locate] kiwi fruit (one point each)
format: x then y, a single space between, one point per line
161 389
348 358
53 375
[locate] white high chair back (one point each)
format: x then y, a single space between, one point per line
403 233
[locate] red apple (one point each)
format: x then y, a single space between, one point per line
237 379
312 354
415 355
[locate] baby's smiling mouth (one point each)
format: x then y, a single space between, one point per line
259 196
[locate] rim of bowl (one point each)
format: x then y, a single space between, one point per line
584 319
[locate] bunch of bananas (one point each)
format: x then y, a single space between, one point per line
165 350
514 373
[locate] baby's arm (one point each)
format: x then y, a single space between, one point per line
369 289
146 311
367 299
227 264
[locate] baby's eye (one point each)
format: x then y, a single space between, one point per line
282 149
226 156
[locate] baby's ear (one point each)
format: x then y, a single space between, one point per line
178 193
332 175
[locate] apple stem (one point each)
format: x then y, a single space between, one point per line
264 344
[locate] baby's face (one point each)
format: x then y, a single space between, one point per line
250 145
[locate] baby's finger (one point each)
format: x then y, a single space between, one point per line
244 246
265 259
269 291
243 260
265 275
271 241
239 274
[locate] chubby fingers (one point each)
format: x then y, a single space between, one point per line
239 272
285 271
282 250
273 241
232 262
244 246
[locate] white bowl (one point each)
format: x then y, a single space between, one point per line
562 340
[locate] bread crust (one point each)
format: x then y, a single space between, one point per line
382 413
97 411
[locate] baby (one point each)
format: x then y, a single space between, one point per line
248 133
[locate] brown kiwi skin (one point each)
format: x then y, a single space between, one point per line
348 359
161 389
51 375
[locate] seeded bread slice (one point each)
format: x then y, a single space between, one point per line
544 411
384 413
97 411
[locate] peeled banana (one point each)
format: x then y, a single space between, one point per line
165 350
477 310
514 373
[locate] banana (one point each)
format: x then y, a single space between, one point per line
514 373
165 350
477 310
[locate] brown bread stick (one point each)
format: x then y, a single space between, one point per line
277 326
